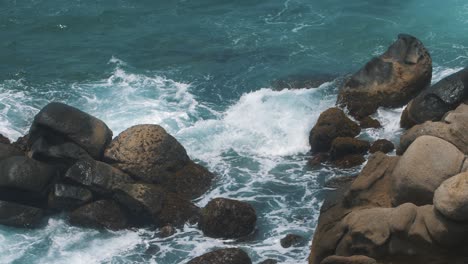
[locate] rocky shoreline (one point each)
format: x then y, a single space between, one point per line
408 208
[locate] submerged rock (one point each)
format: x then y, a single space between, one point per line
67 122
223 256
226 218
331 124
435 101
390 80
147 152
291 240
100 214
18 215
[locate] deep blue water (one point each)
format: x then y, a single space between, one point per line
204 70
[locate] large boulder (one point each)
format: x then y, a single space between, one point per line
86 131
64 197
423 167
55 149
100 214
331 124
97 176
23 173
390 80
18 215
451 198
7 151
151 204
147 152
223 256
358 259
226 218
343 146
435 101
452 129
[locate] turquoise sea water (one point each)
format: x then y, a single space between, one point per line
204 70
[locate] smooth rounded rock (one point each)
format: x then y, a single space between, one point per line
226 218
423 167
146 152
451 198
87 131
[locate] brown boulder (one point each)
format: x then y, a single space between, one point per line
226 218
451 198
390 80
422 168
382 145
369 122
147 152
331 124
343 146
223 256
349 161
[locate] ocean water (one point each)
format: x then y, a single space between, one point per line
207 71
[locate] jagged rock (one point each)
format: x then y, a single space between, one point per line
223 256
358 259
423 167
382 145
151 204
343 146
452 129
451 198
26 174
435 101
369 122
227 218
147 152
97 176
331 124
22 143
86 131
65 196
4 140
18 215
7 151
190 182
100 214
390 80
291 240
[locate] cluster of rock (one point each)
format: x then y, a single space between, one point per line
413 207
69 163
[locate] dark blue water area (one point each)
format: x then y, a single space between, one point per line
208 71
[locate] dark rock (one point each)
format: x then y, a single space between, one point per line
382 145
390 80
318 159
97 176
26 174
190 182
331 124
65 196
359 259
167 231
17 215
435 101
151 204
100 214
344 146
405 121
269 261
55 149
22 143
4 140
152 250
86 131
302 81
349 161
369 122
7 151
223 256
227 218
291 240
147 152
